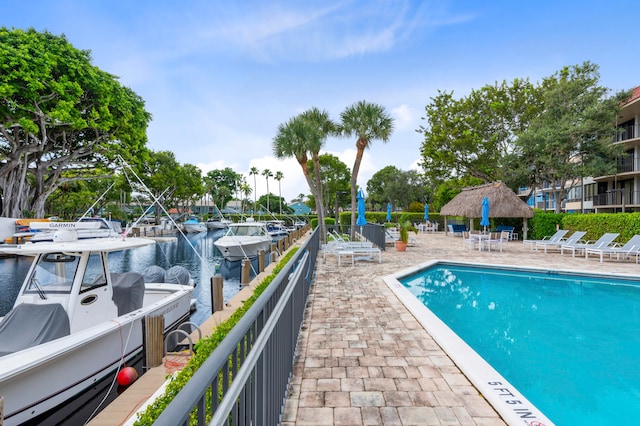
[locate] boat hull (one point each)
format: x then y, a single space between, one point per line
36 380
234 248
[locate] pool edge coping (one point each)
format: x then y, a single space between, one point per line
510 404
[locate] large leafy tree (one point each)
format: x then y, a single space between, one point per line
572 136
396 186
221 183
473 135
367 122
335 177
58 112
302 137
171 183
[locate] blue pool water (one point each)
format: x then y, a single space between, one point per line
569 343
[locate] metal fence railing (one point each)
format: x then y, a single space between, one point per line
249 372
374 233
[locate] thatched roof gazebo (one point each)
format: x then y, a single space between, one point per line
502 200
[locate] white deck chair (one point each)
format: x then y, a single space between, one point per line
557 237
605 241
575 238
629 248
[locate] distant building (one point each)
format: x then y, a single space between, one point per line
300 208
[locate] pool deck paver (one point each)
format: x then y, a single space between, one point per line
362 357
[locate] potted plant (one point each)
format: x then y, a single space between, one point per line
404 226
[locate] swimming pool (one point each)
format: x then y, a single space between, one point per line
570 343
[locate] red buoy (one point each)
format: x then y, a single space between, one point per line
126 376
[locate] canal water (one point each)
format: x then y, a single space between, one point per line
196 252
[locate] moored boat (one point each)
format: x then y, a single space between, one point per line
217 224
75 323
276 229
192 226
244 240
86 227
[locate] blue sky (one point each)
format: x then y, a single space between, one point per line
220 76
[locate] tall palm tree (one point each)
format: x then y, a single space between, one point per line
267 174
301 137
367 122
245 190
254 171
279 176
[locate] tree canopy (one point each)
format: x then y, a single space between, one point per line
473 135
335 176
572 136
58 113
395 186
524 134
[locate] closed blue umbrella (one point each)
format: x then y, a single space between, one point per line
426 211
388 212
485 213
361 221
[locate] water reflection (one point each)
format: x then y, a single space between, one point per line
195 252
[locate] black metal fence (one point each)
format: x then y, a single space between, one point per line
249 372
374 233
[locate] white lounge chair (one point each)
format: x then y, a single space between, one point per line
605 241
575 238
557 237
498 239
629 248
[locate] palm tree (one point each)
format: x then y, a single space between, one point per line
367 122
267 174
254 171
245 190
279 176
300 137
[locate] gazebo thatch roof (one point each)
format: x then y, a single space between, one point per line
503 202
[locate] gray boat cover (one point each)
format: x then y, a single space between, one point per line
128 291
28 325
154 274
178 275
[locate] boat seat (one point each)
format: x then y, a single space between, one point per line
128 291
28 325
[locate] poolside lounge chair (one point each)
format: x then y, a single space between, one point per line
629 248
557 237
575 238
605 241
498 239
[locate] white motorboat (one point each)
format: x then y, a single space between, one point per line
217 224
276 229
86 227
74 323
244 240
193 226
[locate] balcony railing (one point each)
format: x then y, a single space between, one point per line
630 131
628 164
615 198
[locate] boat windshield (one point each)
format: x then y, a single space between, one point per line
245 231
53 273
